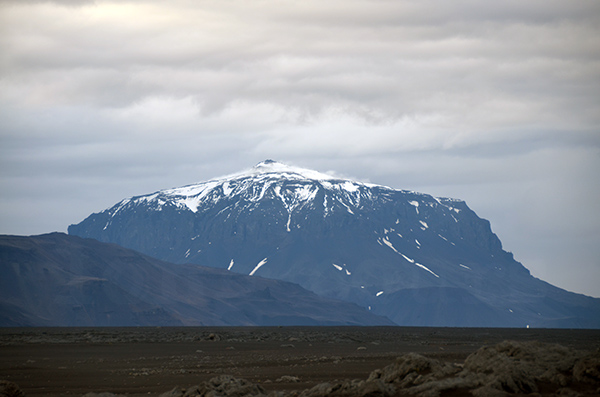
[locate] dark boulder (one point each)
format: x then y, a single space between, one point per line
10 389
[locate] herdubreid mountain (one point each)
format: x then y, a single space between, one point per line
61 280
414 258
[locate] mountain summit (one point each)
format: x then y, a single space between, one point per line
417 259
271 166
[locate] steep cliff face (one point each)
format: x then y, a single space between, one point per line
387 250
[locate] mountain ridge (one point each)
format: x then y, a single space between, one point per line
345 240
60 280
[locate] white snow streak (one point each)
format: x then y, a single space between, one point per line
258 266
227 189
230 265
415 204
425 268
418 264
379 293
345 205
349 187
466 267
337 267
389 244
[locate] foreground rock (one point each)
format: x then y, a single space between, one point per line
10 389
224 385
506 368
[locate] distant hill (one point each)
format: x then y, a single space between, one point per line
61 280
417 259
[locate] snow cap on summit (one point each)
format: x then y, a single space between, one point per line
266 162
271 166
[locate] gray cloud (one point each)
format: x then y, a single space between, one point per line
493 103
65 3
299 58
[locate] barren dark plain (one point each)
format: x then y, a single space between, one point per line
150 361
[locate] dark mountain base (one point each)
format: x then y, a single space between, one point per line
151 361
60 280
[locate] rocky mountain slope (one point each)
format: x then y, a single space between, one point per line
61 280
417 259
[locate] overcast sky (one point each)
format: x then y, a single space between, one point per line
495 103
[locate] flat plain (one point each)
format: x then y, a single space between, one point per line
153 360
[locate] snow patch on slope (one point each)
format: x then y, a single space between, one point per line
426 268
415 204
419 265
387 242
260 264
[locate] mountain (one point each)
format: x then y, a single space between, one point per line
417 259
61 280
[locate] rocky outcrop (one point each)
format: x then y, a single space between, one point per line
508 368
224 385
10 389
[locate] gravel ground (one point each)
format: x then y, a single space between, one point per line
150 361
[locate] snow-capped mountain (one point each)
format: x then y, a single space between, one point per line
418 259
